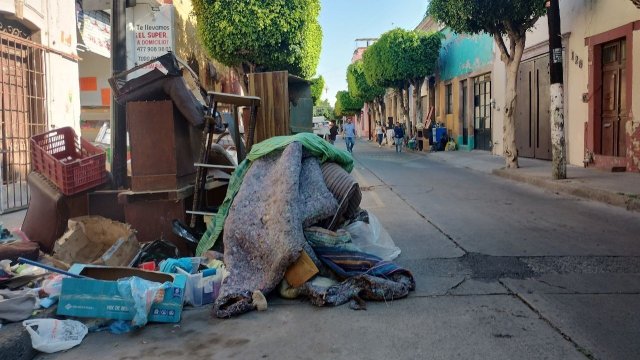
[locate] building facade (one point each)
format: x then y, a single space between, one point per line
601 50
463 88
38 57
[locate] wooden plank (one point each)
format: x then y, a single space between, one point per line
234 99
213 166
127 197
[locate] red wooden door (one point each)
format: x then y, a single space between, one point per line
614 99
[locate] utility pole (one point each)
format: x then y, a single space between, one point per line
118 112
558 143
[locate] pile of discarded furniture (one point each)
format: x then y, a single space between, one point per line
208 217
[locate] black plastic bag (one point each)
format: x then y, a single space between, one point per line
156 251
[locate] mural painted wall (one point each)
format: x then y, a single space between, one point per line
461 57
463 54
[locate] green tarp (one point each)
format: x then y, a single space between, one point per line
311 142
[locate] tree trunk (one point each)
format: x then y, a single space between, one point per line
383 111
509 128
370 112
558 149
396 106
417 96
404 105
243 71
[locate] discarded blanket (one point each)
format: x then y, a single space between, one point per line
347 263
313 144
357 289
368 277
282 193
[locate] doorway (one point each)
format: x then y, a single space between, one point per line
614 111
533 120
482 117
22 114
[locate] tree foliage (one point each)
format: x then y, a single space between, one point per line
347 105
400 56
324 108
317 87
358 85
262 34
510 18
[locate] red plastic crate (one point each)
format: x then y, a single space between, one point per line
73 164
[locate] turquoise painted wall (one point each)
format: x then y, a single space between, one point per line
463 54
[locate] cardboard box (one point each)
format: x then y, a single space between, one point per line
301 271
97 296
96 240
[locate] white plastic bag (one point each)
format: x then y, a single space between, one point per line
373 239
51 335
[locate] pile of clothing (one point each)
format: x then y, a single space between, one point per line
278 207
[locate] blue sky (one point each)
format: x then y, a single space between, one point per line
343 21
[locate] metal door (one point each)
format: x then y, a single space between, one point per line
533 127
22 114
614 99
482 113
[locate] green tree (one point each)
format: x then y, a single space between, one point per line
317 87
259 35
401 58
347 105
504 20
360 88
324 109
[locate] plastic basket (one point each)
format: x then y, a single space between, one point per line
73 164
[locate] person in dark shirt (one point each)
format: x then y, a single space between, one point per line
333 132
398 134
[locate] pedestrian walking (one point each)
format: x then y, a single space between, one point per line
349 135
398 135
333 132
379 133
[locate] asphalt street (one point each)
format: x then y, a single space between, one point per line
504 270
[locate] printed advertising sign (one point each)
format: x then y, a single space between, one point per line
153 31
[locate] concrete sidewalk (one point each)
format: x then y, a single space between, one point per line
617 189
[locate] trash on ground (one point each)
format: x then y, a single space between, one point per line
17 305
52 335
271 236
97 240
98 294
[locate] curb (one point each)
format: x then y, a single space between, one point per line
628 202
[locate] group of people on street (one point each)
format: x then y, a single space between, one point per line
349 134
398 135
